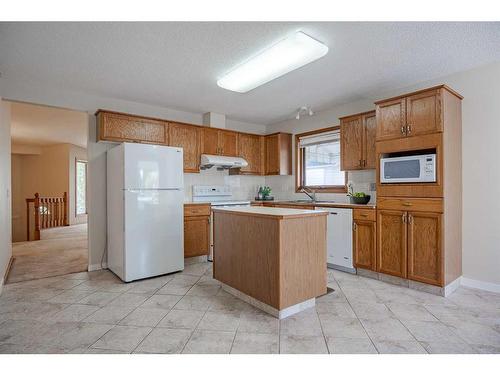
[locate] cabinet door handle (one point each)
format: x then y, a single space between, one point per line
403 131
333 213
408 129
403 218
360 162
354 226
410 218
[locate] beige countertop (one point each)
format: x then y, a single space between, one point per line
270 211
321 204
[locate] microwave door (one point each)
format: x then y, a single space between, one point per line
401 170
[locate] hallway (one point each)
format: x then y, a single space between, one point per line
60 251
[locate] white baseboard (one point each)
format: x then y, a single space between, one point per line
1 286
451 287
478 284
96 267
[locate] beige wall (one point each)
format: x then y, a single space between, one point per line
5 190
50 173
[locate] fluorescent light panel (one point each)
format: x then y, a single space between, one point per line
288 54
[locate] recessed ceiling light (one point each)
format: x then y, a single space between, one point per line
288 54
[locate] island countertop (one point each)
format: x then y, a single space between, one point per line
277 212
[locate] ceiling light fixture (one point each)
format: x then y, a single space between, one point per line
288 54
304 110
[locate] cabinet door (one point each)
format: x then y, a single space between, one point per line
123 128
364 241
391 242
391 119
210 141
196 236
272 154
351 136
228 143
423 113
189 138
370 130
424 247
250 149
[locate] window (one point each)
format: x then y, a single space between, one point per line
81 187
318 161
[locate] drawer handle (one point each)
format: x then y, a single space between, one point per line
364 215
407 204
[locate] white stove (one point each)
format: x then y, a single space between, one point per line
217 196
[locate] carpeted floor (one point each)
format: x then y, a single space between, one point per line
60 251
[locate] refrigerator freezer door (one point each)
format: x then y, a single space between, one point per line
153 167
154 233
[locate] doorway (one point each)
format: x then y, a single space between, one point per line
49 191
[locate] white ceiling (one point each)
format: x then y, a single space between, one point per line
38 125
177 65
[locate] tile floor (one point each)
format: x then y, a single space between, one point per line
188 312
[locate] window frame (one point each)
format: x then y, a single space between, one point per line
300 166
86 187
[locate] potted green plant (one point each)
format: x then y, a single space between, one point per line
357 197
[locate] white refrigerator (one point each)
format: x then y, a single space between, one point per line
145 210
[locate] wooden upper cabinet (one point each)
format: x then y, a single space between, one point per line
278 154
189 138
251 149
391 119
220 142
210 141
425 257
228 143
357 141
423 113
119 127
364 241
351 135
370 130
391 242
413 114
272 154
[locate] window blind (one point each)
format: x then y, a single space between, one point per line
320 138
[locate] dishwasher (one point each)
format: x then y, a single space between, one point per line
339 239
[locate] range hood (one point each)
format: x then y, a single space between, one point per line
221 162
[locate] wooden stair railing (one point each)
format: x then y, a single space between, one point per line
50 212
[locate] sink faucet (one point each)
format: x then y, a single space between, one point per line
310 193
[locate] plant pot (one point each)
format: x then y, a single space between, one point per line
360 200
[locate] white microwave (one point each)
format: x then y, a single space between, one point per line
408 169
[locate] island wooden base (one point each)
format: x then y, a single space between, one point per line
280 314
274 256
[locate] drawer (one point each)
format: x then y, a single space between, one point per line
196 210
411 204
364 214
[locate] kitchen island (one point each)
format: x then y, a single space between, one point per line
272 258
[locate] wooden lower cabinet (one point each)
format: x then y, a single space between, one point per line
196 230
409 245
391 242
425 263
364 244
